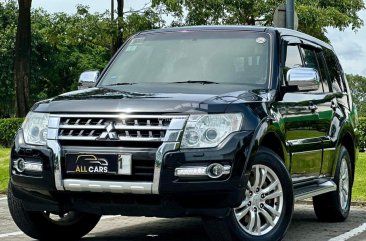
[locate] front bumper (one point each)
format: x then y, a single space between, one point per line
172 196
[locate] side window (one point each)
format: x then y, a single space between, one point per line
293 57
310 61
335 73
323 71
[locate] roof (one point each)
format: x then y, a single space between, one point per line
281 31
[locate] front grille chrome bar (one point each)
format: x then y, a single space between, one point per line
90 138
77 185
118 127
167 129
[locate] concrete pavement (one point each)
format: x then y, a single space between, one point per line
304 227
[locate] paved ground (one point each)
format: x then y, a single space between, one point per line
304 227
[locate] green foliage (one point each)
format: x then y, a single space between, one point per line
8 128
8 24
4 169
314 15
362 132
357 84
358 192
63 46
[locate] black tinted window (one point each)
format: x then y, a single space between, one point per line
323 71
334 71
293 57
310 61
309 58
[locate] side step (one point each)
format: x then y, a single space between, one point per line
314 190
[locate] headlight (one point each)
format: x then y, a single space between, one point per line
203 131
35 128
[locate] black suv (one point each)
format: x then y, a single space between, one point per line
230 123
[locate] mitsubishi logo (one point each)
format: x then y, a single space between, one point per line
110 133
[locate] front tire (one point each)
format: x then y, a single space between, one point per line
266 211
335 206
48 226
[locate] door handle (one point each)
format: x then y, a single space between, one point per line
313 107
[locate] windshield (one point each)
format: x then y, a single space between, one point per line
216 57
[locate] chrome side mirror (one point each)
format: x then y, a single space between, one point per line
88 79
306 79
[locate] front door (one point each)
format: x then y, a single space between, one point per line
304 132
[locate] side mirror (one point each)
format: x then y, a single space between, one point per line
88 79
305 79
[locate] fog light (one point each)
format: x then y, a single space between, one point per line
190 171
33 167
20 165
217 170
213 171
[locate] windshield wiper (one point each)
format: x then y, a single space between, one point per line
115 84
204 82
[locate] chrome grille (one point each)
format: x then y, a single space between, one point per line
83 132
106 128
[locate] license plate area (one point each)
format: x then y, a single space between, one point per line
98 164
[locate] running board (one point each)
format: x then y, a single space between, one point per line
314 190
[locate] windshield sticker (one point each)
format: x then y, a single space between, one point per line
261 40
131 48
137 41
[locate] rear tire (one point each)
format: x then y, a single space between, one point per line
335 206
266 211
45 226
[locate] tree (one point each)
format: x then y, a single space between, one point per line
357 84
22 58
8 25
120 6
63 46
314 15
142 19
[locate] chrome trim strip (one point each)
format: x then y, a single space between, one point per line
78 138
121 138
56 149
53 122
52 143
173 135
329 149
163 149
52 134
77 185
140 127
83 127
178 123
116 127
326 187
122 116
304 152
303 179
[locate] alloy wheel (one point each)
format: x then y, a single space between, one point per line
259 213
344 185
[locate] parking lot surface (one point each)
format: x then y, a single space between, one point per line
116 228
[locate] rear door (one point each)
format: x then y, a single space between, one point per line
339 104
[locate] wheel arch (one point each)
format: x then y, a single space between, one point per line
266 135
347 140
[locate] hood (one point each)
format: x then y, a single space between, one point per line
152 98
